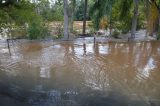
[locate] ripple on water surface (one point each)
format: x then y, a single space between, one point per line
80 73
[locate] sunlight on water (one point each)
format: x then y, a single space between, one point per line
44 72
4 50
79 50
145 72
89 48
103 49
149 66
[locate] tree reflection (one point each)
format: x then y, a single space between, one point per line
83 73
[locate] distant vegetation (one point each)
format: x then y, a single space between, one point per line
34 17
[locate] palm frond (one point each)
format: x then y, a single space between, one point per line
125 8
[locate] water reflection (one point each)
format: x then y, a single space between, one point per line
147 68
80 74
44 72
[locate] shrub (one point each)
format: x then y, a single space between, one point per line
103 23
58 30
37 31
115 34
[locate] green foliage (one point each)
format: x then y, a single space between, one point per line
125 7
100 9
79 11
21 13
120 20
125 25
50 13
122 13
158 35
34 30
37 30
141 24
56 14
17 13
4 17
118 13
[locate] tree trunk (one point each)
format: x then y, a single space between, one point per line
159 19
134 19
84 18
66 19
158 34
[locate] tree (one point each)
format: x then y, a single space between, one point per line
154 17
84 17
21 14
151 9
72 12
79 11
134 19
15 13
66 19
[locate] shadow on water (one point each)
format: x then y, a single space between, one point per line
80 74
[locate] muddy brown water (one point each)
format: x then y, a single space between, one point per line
80 73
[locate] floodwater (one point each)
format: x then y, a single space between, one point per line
80 73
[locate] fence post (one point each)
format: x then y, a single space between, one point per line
8 47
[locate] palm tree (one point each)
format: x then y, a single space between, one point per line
134 19
101 9
154 16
